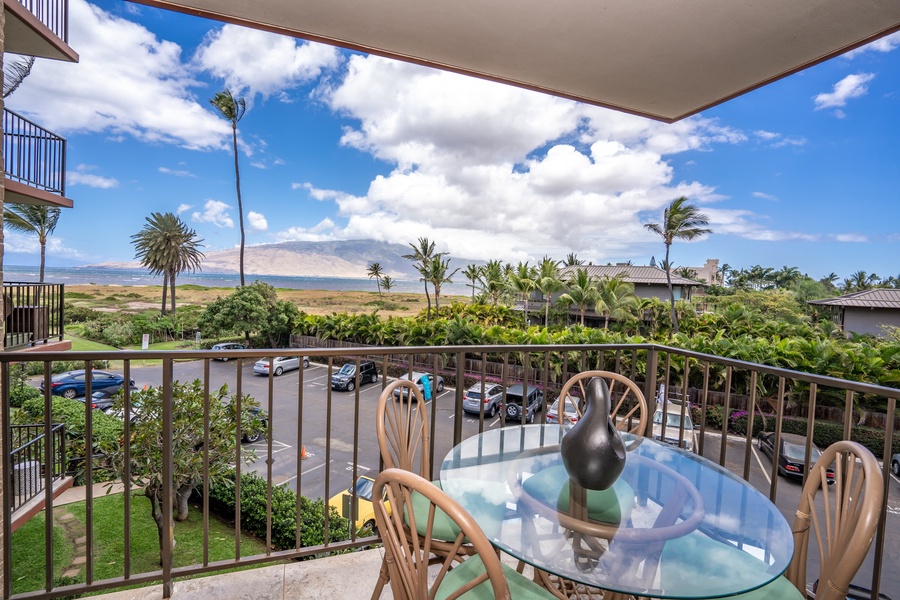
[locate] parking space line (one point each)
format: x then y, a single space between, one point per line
309 470
761 467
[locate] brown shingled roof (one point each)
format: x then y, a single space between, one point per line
877 298
632 274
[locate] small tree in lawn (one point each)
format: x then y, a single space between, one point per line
189 444
255 309
387 283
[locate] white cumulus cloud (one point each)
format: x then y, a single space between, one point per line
126 83
257 221
851 86
91 180
215 212
252 61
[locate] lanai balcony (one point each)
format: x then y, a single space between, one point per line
319 441
34 163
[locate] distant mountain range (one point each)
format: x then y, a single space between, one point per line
308 259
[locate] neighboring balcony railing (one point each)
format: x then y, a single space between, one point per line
52 13
32 155
33 313
32 472
320 440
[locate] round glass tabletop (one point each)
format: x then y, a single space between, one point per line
673 525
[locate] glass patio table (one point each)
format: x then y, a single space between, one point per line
674 525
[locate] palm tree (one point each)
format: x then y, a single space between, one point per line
681 221
440 274
583 292
421 257
387 283
617 300
374 272
31 218
522 280
167 246
472 272
572 260
493 281
233 110
15 70
548 283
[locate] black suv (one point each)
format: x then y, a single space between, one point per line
345 379
517 404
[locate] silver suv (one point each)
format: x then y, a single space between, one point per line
521 406
493 395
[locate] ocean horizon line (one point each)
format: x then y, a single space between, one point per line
112 276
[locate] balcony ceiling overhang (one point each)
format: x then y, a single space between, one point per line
20 193
663 59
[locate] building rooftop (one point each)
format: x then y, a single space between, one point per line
632 274
877 298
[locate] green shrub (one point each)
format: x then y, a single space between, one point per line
284 512
19 394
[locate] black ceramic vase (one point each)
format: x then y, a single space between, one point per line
592 451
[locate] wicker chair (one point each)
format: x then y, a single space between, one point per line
844 526
402 427
408 552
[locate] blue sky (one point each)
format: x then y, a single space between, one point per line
340 145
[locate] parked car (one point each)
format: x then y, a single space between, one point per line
72 384
228 346
365 510
571 413
345 379
675 426
261 419
436 387
103 399
895 465
493 396
522 405
280 364
792 454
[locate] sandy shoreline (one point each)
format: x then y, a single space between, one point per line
138 298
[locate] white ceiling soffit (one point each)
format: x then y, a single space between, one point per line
664 59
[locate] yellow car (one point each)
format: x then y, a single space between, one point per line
365 512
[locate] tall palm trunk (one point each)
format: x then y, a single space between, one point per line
428 298
237 179
165 289
43 256
671 291
172 284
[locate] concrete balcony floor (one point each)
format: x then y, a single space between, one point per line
350 575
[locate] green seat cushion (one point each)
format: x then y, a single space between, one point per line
487 508
519 585
724 562
550 487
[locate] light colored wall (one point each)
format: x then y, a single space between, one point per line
870 320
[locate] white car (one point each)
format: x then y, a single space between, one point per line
280 364
571 415
675 426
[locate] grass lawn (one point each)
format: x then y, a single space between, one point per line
109 542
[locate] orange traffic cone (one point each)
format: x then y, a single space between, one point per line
303 455
145 386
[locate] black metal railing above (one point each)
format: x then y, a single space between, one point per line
33 313
32 155
52 13
30 462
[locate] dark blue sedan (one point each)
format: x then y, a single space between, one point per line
72 383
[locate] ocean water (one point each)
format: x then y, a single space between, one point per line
137 277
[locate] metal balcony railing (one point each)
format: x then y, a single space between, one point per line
30 473
33 313
52 13
335 431
32 155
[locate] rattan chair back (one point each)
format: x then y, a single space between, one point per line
401 425
408 553
841 516
629 406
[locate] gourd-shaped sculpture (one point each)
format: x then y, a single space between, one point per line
592 451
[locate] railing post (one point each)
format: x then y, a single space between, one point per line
168 541
650 381
5 498
460 390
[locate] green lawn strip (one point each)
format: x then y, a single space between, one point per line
109 537
29 552
83 345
